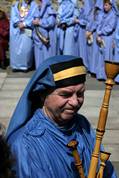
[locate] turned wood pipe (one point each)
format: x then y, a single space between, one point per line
112 69
73 145
104 156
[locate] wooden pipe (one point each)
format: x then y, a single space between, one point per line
104 156
112 69
73 145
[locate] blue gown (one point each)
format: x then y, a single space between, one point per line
105 30
67 40
41 148
94 19
116 45
83 20
47 27
21 43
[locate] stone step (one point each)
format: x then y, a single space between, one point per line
14 84
5 120
7 111
93 112
92 105
16 81
110 124
113 149
10 87
8 102
2 78
13 94
3 74
111 137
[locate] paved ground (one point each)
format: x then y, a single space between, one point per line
13 84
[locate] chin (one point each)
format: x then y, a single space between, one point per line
68 117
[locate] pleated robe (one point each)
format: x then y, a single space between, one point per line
47 27
41 151
21 43
105 30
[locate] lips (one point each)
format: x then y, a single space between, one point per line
69 111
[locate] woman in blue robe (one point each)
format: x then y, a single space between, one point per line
37 140
116 43
44 26
94 18
21 43
68 29
83 20
105 31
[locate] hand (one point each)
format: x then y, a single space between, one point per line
88 34
99 39
76 21
100 42
113 44
36 21
21 25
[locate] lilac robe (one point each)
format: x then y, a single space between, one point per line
67 40
21 43
94 19
47 17
105 30
83 20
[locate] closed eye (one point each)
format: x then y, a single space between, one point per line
65 95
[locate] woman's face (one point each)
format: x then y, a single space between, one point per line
107 7
28 1
63 103
40 2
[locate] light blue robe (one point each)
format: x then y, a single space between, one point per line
41 148
47 27
94 19
21 43
116 46
83 20
67 40
105 30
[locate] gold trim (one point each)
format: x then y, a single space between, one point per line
71 72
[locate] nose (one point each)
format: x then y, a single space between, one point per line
74 101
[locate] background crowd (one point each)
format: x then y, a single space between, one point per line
4 37
84 28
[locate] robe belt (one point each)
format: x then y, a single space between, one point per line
64 26
45 40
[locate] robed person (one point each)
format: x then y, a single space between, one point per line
44 34
21 43
4 38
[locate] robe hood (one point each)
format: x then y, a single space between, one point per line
55 72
